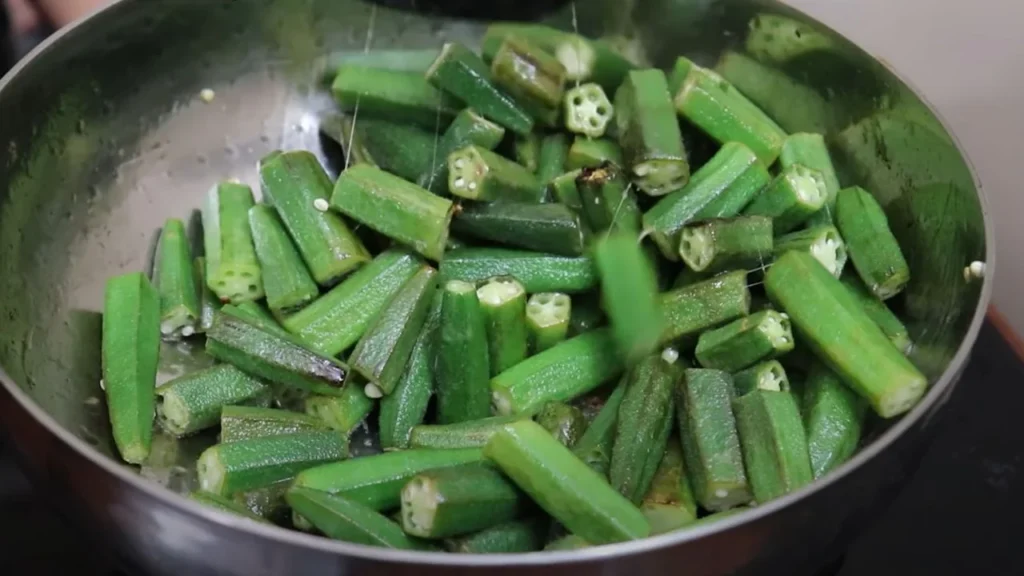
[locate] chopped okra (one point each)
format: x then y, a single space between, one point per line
588 110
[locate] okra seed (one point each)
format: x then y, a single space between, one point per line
721 493
472 185
670 355
188 331
207 95
321 204
460 182
372 391
460 163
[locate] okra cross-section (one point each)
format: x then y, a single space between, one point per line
746 341
547 319
694 308
533 77
713 246
791 199
822 242
397 209
652 145
468 129
175 280
872 246
503 303
810 150
768 375
232 268
588 110
476 173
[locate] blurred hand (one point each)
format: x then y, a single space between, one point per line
24 16
28 14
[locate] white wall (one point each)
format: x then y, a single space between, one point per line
967 58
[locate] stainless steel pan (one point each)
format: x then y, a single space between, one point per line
103 135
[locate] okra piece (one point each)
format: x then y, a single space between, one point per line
397 209
208 301
336 320
470 434
273 357
833 417
239 423
733 174
715 106
462 364
397 95
286 281
476 173
773 442
343 413
810 150
649 134
516 536
503 303
298 187
461 73
227 469
563 485
267 503
533 77
383 351
225 505
795 195
344 519
376 481
232 269
564 190
745 342
769 375
588 110
193 402
558 374
554 151
878 311
591 153
594 448
629 289
459 500
536 271
175 281
823 243
566 423
547 320
711 445
130 350
721 244
552 227
468 129
402 149
873 248
644 424
608 200
669 503
697 307
406 407
254 313
527 151
849 343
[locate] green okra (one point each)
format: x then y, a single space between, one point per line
267 503
225 505
533 77
588 110
232 269
711 445
175 282
298 187
669 503
822 242
566 423
872 247
459 500
774 444
697 307
343 413
227 469
564 486
503 303
383 351
286 281
558 374
193 401
527 151
608 200
273 357
517 536
644 423
547 320
717 245
476 173
376 481
336 320
468 434
745 342
468 129
878 311
727 182
554 151
795 195
395 208
403 149
848 341
208 301
344 519
809 150
833 417
591 153
400 96
715 106
769 375
254 313
629 290
239 423
130 351
564 190
552 227
462 365
649 133
536 271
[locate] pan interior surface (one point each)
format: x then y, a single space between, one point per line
104 135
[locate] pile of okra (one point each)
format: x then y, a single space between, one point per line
562 329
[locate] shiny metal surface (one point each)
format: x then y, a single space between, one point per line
103 135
